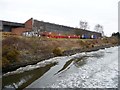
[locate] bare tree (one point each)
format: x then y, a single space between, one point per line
83 25
99 28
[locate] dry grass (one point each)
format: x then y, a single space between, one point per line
35 46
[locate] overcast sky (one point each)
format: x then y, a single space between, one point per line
64 12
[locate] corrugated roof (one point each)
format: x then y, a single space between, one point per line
12 23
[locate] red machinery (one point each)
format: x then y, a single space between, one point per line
54 35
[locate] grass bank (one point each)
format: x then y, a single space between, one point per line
22 51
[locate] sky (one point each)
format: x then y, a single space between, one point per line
63 12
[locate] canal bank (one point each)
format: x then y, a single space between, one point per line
34 50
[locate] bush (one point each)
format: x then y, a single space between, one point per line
105 40
58 51
12 55
5 62
9 55
81 43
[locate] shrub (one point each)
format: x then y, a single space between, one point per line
12 55
82 43
58 51
105 40
9 55
5 62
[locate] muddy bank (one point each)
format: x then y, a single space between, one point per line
74 51
17 65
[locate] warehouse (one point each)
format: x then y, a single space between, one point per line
7 26
35 27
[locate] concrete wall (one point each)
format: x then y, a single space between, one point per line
1 26
38 25
50 27
86 32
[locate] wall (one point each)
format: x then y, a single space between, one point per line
59 29
28 27
1 26
7 25
19 31
51 27
7 28
39 25
28 23
86 32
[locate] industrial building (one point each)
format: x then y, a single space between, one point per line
35 27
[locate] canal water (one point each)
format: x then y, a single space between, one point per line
98 69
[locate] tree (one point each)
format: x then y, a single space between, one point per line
83 25
99 28
116 34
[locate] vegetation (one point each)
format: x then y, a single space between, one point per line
24 49
9 55
58 51
99 28
116 34
83 25
9 52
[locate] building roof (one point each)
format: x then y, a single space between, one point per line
12 23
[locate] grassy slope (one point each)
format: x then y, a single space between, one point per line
31 49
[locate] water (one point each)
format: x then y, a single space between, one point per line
98 69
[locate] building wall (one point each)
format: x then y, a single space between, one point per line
28 23
1 26
49 27
86 32
19 31
7 25
38 25
7 28
59 29
28 27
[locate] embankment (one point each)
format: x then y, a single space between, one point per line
21 51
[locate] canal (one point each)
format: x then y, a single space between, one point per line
98 69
